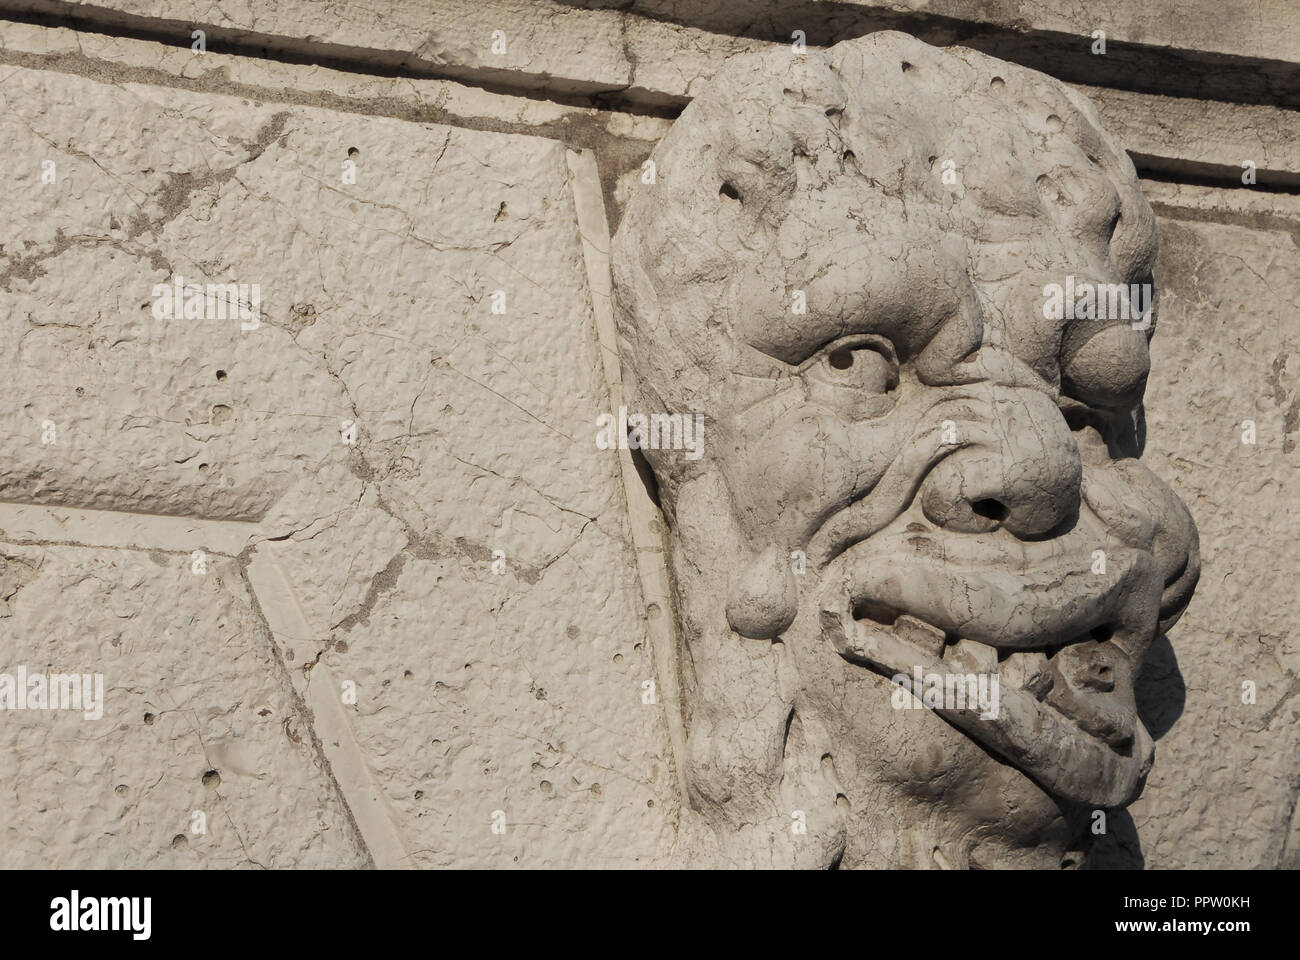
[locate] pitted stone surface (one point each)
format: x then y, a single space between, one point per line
843 266
197 718
334 568
1224 787
464 566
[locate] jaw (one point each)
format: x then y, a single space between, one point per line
1056 645
1042 742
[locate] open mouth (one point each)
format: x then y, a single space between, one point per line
1060 643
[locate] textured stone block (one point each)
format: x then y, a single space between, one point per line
404 439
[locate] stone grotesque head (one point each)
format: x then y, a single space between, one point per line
914 464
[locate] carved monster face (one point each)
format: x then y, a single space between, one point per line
910 463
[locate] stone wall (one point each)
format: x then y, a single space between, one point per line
363 588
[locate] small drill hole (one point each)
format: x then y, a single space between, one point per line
907 67
841 359
728 191
221 374
353 152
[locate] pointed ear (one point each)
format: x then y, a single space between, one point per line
636 302
705 521
704 542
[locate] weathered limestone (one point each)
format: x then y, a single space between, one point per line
1224 785
902 433
621 139
1185 64
349 681
398 453
197 719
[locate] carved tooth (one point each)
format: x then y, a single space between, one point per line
1027 670
924 635
1090 666
970 656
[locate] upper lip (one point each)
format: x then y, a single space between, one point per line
998 590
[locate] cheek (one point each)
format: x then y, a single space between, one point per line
794 471
1030 336
1109 370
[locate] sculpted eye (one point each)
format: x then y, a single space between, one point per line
863 363
842 359
854 375
865 368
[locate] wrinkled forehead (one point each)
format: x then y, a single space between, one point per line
889 183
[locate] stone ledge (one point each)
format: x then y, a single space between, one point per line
564 68
651 52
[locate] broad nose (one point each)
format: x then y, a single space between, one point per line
1017 468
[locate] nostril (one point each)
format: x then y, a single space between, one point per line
991 509
1099 677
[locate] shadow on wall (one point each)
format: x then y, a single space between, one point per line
1120 848
1160 690
1161 695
